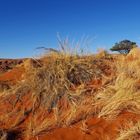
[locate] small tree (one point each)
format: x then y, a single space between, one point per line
124 46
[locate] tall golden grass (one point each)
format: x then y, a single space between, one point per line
124 93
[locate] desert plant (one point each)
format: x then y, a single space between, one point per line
124 46
58 75
124 93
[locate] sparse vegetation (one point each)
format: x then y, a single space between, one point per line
60 90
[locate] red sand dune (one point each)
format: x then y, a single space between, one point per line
13 75
92 128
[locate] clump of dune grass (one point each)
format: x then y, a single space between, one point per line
124 95
57 75
60 71
132 132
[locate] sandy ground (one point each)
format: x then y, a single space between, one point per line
92 128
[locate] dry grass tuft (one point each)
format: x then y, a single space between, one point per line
130 133
124 94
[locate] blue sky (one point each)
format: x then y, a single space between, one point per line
27 24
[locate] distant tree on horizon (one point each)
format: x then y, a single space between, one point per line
124 46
